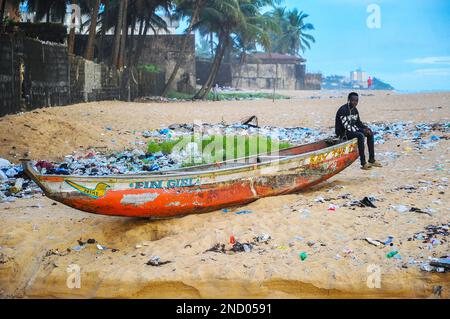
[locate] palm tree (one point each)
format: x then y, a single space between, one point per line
123 14
193 20
2 10
202 49
94 6
144 13
220 18
71 39
225 18
54 9
293 36
255 32
12 4
122 5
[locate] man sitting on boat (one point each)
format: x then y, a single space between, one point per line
348 125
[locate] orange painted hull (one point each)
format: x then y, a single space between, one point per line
202 188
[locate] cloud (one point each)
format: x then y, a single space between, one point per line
433 72
430 60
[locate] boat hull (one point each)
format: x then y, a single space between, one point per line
182 193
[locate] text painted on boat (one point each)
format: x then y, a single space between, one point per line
171 183
338 152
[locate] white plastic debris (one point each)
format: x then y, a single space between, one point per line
4 163
401 208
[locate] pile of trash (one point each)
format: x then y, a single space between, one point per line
420 133
298 135
97 164
137 161
156 99
237 246
13 182
433 236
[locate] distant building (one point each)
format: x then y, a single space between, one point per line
23 15
345 83
358 78
274 70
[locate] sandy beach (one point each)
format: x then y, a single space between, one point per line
36 232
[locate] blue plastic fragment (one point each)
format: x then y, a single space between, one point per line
242 212
388 240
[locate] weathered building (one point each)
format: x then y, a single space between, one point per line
32 74
160 51
263 71
266 71
36 74
36 69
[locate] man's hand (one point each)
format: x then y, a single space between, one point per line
368 131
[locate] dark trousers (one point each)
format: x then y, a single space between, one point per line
370 145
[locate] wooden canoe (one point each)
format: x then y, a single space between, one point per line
200 188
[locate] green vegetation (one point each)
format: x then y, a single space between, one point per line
229 96
218 147
242 146
150 68
165 147
293 35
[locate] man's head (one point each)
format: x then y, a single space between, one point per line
353 99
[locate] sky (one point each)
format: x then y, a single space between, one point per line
407 47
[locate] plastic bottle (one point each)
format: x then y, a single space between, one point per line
392 254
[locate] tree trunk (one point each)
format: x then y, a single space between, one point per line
123 38
2 11
131 40
89 54
220 51
140 43
211 43
216 56
241 64
71 41
103 30
183 47
141 26
116 47
216 68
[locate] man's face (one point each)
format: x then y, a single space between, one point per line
353 101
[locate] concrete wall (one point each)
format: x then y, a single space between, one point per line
313 81
91 81
265 76
223 78
36 74
284 76
32 74
159 50
9 78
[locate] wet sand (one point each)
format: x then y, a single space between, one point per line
36 232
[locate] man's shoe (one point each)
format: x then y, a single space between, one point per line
366 167
375 164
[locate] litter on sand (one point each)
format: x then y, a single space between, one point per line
156 261
373 241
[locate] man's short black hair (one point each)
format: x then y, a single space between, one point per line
352 94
